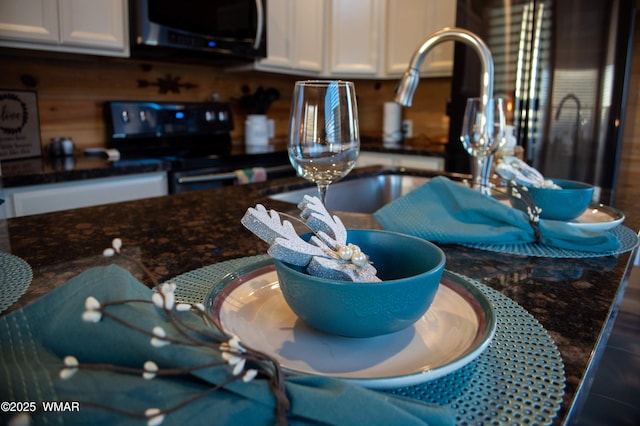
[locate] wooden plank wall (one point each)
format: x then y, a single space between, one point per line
72 89
629 174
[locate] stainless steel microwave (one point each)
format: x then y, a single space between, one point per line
215 27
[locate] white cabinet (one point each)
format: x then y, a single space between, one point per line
354 38
409 22
420 162
355 41
295 40
36 199
38 22
98 27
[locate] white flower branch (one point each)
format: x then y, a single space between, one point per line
533 212
226 350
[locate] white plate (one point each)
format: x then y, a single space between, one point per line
455 330
598 217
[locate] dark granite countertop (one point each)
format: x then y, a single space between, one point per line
45 170
574 299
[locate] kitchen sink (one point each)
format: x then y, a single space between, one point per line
359 195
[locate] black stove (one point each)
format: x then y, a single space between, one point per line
166 129
194 137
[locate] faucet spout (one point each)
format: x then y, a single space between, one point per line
572 97
409 82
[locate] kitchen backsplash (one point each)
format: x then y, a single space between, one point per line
72 88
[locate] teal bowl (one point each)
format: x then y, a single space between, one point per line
410 269
559 204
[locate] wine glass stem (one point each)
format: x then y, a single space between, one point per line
481 173
322 192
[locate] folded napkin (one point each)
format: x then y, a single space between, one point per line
36 338
447 212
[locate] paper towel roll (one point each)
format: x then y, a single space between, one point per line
392 123
258 129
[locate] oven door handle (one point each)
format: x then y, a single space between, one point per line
214 177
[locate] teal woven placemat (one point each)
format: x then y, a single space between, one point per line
628 241
15 278
519 379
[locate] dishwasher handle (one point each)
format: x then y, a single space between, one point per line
217 177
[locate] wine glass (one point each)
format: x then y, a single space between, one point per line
324 140
483 132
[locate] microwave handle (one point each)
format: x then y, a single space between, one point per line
260 24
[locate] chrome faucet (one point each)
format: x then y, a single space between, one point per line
480 169
576 131
572 97
409 82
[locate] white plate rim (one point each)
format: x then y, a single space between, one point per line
481 306
617 217
614 216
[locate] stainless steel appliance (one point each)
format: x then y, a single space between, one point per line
563 68
205 27
194 138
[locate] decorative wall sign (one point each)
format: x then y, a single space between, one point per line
167 84
19 125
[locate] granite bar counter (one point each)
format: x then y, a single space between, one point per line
574 299
45 170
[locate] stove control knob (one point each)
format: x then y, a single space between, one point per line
210 116
222 115
125 116
143 115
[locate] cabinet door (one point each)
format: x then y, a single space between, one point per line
29 200
386 159
279 45
94 23
295 36
37 22
309 25
355 36
421 162
409 22
376 159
